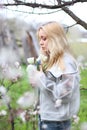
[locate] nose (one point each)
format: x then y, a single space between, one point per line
41 43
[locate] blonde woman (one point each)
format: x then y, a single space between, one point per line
58 80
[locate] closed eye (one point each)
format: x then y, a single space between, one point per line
44 38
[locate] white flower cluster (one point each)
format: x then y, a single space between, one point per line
42 58
3 93
26 100
27 114
3 113
31 60
34 64
11 72
3 90
76 119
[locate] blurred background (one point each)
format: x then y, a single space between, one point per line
19 21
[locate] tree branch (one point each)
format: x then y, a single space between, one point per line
78 20
61 4
70 13
36 5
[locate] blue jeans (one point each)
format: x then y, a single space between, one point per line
54 125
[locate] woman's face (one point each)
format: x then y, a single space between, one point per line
43 41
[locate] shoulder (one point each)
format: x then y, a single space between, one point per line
70 66
70 63
55 70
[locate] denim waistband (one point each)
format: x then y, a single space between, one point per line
52 121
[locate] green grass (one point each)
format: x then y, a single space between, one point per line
83 108
81 49
83 100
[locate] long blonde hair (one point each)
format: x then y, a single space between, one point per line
57 43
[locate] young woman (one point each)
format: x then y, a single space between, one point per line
58 80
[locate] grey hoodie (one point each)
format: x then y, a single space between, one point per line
59 91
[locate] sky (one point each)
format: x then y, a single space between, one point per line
79 9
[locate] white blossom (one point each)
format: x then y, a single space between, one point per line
3 90
34 112
30 60
16 74
26 100
3 113
22 116
42 57
76 119
6 99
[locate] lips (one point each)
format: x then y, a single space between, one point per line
43 48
